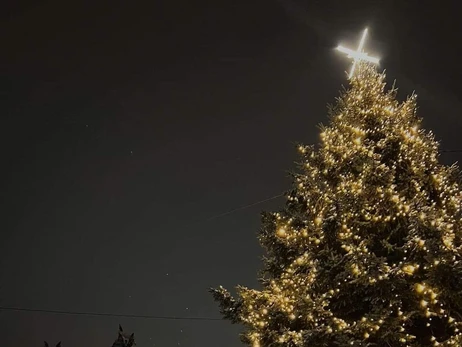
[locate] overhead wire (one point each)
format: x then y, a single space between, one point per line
282 194
77 313
244 207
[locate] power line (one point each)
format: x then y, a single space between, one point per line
101 314
245 206
282 194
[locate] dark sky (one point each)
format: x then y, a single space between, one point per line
127 124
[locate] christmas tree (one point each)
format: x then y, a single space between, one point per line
367 250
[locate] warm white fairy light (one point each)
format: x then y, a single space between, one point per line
367 192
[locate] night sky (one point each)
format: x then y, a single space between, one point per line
127 125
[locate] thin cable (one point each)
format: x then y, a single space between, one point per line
280 195
74 313
244 207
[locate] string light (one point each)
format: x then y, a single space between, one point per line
369 244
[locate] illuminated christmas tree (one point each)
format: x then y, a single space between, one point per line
367 250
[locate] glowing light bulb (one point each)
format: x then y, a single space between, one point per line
409 269
281 232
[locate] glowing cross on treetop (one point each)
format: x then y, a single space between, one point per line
359 54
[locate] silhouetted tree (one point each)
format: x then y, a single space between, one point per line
124 339
58 345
